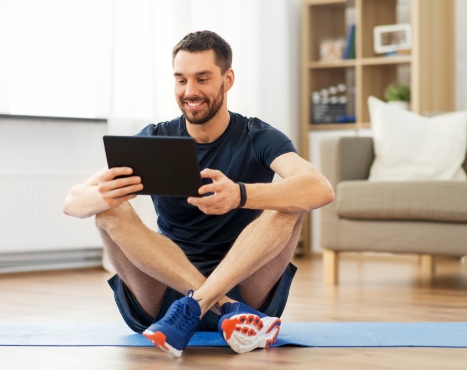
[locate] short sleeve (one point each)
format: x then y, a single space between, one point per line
269 142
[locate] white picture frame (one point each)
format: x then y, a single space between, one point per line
392 37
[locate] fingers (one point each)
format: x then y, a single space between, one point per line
108 191
211 174
115 189
218 179
211 205
115 202
225 194
114 172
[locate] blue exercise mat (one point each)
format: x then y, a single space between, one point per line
309 334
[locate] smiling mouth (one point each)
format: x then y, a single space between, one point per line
194 103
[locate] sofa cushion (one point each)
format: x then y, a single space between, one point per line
443 201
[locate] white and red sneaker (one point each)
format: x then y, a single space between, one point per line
246 329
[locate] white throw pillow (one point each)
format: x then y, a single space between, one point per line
413 147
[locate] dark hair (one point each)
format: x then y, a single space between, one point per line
206 40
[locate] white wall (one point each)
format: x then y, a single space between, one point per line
51 147
39 163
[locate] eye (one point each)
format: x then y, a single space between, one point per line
180 81
202 80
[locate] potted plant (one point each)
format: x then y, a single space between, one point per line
398 94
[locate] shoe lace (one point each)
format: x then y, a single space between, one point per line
181 316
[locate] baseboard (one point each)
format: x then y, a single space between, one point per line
50 260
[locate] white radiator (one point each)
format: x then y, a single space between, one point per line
35 234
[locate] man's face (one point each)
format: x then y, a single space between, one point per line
199 85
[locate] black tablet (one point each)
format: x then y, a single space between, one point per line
167 165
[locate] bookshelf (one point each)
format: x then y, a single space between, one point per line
428 67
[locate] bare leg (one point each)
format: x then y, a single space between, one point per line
146 261
256 288
148 291
256 260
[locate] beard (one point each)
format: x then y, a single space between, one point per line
198 117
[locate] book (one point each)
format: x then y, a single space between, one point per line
349 48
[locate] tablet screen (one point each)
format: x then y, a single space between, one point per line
167 165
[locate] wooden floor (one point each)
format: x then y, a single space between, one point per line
371 289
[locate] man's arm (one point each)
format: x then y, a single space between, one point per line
301 189
101 192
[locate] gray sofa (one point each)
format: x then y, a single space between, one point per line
428 218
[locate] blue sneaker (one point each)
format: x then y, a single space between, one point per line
173 332
245 329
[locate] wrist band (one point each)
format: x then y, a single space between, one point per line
242 194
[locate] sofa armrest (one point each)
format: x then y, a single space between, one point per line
346 158
342 158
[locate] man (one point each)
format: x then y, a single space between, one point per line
231 247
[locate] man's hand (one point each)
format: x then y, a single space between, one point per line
115 191
225 194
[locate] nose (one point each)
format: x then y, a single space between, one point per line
191 89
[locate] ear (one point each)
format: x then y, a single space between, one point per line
229 78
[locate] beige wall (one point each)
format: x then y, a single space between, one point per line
461 55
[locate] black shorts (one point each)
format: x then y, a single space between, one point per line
138 320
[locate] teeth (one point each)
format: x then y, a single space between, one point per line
193 104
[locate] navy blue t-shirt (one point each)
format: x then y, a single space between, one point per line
244 152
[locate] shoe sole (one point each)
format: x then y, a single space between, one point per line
245 332
159 340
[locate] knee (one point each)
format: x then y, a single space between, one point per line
116 217
286 221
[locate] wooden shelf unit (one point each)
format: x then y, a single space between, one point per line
428 68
